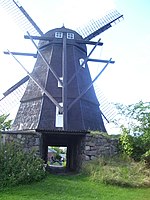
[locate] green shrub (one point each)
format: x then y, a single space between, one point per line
126 142
4 123
19 167
131 145
134 122
118 171
146 158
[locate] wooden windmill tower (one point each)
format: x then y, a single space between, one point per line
60 93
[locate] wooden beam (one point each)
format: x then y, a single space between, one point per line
89 42
18 84
38 84
64 86
45 60
99 60
85 61
50 39
38 37
90 85
28 17
21 54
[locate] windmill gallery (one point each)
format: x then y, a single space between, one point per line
59 106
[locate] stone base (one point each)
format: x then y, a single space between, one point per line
81 147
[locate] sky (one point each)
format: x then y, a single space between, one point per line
127 43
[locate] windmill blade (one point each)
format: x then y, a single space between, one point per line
17 85
96 27
106 107
12 96
20 16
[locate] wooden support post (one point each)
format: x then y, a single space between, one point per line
38 84
85 61
90 85
64 88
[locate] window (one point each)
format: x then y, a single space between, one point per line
59 85
70 36
58 34
81 61
59 117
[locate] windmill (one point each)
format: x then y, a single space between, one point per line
59 94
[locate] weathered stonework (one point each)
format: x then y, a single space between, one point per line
81 148
29 141
95 146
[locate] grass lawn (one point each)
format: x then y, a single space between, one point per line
72 187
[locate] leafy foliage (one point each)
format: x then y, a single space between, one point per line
58 152
126 142
18 166
146 157
135 127
4 123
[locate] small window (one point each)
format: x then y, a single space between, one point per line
70 36
58 34
81 61
59 85
59 117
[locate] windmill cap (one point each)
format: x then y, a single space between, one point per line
51 33
56 35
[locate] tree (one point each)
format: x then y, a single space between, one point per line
4 123
135 128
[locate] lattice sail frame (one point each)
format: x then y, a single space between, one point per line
21 17
96 27
12 100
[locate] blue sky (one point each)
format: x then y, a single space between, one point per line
132 39
128 43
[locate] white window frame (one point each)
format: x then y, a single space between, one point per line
58 34
70 36
59 85
81 60
59 117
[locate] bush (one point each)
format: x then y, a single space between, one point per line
131 145
126 142
19 167
146 158
135 128
4 123
118 171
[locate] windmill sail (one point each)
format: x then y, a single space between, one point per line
12 97
20 16
107 108
16 86
96 27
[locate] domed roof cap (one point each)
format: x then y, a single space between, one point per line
51 33
56 35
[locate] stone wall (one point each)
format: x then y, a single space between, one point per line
29 141
95 146
87 147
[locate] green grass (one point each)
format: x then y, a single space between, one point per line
72 187
118 171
